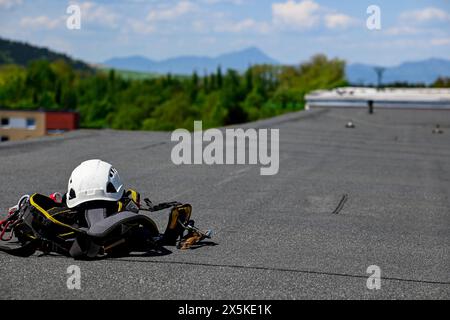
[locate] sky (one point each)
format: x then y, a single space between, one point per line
289 31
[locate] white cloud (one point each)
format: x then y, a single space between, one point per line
235 2
93 13
243 26
440 41
209 40
7 4
141 27
403 30
307 14
296 15
425 15
171 13
40 22
339 21
413 22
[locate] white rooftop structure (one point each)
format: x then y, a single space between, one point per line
410 98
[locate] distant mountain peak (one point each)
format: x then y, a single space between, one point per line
252 50
238 60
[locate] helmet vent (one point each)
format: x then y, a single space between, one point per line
110 188
112 172
72 194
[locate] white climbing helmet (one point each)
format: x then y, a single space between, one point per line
94 180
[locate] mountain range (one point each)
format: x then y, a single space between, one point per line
184 65
424 71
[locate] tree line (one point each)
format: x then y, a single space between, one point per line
105 99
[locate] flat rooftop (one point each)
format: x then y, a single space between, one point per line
277 236
426 98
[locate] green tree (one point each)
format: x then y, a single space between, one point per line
58 93
108 98
40 80
442 82
219 77
69 99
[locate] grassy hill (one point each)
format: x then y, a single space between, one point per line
20 53
133 75
137 75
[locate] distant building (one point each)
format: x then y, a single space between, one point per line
401 98
20 124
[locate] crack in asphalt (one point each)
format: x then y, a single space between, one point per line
284 270
236 266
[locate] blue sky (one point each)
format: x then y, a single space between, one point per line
290 31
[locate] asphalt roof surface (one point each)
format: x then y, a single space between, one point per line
276 236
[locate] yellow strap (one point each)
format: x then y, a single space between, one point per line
174 218
48 216
134 196
66 234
